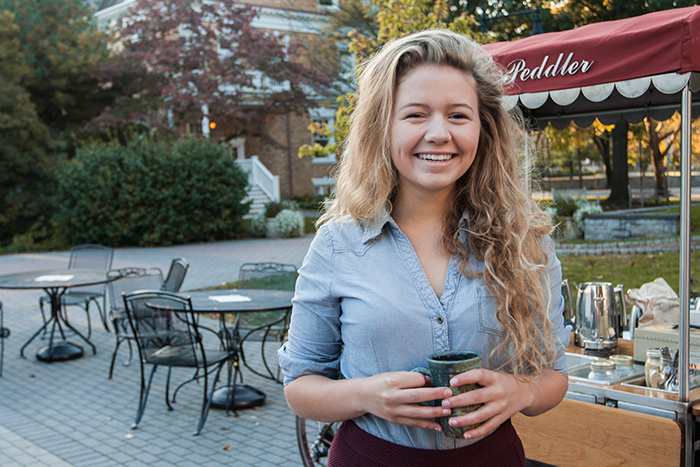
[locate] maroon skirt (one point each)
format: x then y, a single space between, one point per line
353 447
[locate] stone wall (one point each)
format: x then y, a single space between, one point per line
648 246
597 182
626 225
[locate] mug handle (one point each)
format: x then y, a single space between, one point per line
425 372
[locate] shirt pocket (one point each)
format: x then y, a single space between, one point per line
488 322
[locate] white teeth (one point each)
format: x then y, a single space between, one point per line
435 157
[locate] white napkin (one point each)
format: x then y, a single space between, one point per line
659 303
54 278
229 298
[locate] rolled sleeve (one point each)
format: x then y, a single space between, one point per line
314 343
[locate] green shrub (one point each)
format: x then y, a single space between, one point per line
272 208
149 193
290 223
315 202
566 207
43 235
258 225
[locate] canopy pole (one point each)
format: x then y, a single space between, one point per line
684 250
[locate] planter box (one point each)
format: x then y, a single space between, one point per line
271 229
624 225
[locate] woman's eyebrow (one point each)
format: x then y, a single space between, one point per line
451 106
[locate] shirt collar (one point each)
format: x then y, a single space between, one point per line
374 230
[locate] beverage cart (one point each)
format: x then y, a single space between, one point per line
630 68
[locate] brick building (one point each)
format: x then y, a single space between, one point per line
279 171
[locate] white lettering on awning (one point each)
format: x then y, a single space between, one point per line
518 69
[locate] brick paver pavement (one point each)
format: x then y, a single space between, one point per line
70 414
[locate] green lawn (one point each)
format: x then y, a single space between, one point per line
630 270
635 270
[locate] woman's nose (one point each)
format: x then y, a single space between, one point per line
437 131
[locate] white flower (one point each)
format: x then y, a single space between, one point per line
585 208
290 223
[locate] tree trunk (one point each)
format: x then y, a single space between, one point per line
620 179
657 157
602 142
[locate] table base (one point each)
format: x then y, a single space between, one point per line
59 351
244 397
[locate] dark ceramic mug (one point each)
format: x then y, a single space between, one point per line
442 367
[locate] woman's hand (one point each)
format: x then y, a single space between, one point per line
503 395
395 396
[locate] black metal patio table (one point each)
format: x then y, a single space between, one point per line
225 302
55 282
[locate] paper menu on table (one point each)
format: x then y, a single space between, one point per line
229 298
54 278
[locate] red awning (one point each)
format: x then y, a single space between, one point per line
652 44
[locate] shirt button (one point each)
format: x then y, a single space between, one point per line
440 320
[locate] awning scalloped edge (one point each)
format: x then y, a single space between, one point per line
668 83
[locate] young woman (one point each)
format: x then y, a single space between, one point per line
431 243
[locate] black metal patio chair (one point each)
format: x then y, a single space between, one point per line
167 334
91 257
264 327
128 280
4 334
176 275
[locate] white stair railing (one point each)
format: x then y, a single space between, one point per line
259 176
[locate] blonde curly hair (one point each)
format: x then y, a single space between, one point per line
506 228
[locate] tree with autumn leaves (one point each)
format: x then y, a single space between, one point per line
379 21
65 81
177 61
367 24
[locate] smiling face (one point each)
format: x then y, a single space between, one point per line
435 128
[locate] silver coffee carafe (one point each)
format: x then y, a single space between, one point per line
600 317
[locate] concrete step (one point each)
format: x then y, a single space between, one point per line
258 200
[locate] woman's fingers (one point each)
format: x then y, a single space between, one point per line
498 394
403 397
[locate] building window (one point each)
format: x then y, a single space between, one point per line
325 118
194 128
321 137
237 145
324 186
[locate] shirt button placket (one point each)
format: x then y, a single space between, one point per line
441 336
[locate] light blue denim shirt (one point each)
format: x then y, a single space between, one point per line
363 305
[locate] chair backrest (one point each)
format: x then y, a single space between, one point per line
164 326
4 333
91 257
131 280
176 275
267 275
